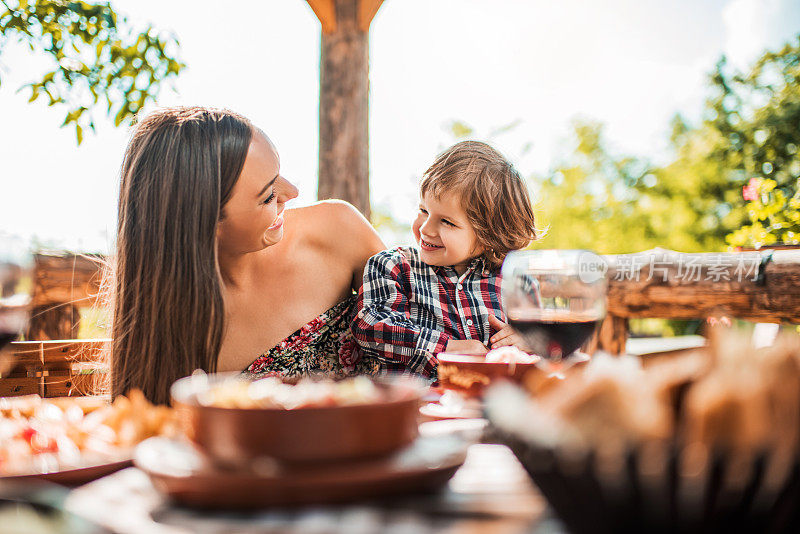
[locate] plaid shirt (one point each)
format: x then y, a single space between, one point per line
408 310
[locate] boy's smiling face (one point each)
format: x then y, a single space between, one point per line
444 234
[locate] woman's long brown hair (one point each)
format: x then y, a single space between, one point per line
177 173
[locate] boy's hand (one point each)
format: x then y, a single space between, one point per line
504 335
466 346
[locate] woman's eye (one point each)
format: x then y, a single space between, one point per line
269 198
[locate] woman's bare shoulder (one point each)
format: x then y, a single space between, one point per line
337 234
331 221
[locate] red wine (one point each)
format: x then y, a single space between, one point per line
554 337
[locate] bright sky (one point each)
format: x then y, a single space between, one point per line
628 63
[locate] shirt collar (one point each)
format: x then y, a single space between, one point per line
476 265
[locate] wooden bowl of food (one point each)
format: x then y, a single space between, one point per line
235 421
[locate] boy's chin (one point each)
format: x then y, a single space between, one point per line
432 258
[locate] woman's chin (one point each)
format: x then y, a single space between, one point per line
272 237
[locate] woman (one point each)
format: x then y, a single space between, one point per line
213 273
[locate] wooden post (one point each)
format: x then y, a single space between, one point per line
344 100
610 336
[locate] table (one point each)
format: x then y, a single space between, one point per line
490 493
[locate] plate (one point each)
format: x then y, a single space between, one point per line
74 476
451 405
179 471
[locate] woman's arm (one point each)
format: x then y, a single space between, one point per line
383 322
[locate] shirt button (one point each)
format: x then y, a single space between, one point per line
459 286
469 322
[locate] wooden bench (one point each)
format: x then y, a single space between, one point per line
759 286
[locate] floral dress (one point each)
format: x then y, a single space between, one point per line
325 346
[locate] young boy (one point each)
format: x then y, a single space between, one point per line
444 296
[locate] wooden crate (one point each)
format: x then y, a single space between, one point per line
57 368
18 386
73 383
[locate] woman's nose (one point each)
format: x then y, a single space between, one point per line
286 190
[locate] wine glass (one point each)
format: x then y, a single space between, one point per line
554 299
15 287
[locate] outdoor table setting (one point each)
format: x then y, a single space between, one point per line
697 440
668 443
433 476
490 491
459 267
231 451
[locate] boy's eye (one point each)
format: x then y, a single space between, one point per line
423 210
448 223
269 198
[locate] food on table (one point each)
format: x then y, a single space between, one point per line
272 392
45 435
749 400
510 354
729 396
713 431
608 400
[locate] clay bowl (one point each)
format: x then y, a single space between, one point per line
470 374
236 437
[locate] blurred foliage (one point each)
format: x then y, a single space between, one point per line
95 322
393 232
757 116
615 205
774 217
746 146
664 327
99 59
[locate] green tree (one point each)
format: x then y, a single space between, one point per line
614 204
694 203
99 59
746 145
756 117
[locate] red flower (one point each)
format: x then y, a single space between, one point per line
750 191
261 362
315 325
348 355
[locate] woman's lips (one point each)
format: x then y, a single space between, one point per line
278 223
430 247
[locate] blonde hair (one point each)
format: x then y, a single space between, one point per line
493 194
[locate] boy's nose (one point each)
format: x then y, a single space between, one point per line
427 227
